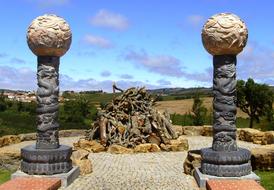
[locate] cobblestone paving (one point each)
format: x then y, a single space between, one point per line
150 171
162 170
136 171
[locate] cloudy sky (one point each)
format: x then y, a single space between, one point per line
148 43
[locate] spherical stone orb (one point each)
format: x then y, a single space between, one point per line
49 35
224 34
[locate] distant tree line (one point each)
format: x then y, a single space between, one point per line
254 99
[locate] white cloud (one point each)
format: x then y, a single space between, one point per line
164 82
16 60
105 73
256 62
25 79
166 65
18 79
162 64
126 76
195 20
105 18
97 41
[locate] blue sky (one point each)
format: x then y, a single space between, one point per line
134 43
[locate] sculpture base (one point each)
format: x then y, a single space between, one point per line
202 178
46 161
66 178
226 163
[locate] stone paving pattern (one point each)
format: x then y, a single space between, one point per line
162 170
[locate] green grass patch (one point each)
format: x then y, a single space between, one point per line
94 98
187 119
266 179
263 125
4 175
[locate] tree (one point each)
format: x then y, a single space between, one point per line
3 104
198 110
254 99
77 110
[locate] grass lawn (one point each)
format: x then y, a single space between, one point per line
4 175
266 179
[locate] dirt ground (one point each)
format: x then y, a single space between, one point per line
185 106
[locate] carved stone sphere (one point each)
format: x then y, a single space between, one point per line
49 35
224 34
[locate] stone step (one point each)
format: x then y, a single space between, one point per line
233 185
32 183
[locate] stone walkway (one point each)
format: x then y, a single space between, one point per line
153 171
163 170
136 172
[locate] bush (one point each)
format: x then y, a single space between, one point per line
3 104
199 111
78 109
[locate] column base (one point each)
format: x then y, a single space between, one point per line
66 178
46 161
202 178
226 163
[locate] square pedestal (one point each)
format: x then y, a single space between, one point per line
66 178
202 178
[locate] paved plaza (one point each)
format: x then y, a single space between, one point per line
163 170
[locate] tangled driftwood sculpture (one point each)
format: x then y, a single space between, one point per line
131 119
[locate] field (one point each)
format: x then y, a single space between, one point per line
184 106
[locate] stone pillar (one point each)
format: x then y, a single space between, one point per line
224 36
48 37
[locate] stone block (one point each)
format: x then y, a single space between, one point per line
9 139
202 178
192 130
28 183
66 178
263 157
180 144
91 146
118 149
233 184
207 131
192 161
147 147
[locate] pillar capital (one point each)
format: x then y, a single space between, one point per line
224 34
49 35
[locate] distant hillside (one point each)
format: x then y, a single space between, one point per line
14 91
181 91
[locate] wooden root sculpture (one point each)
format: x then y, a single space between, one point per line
131 119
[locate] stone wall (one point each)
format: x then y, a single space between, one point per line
9 139
13 139
263 158
245 134
255 136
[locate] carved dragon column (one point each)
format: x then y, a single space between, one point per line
224 36
48 37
